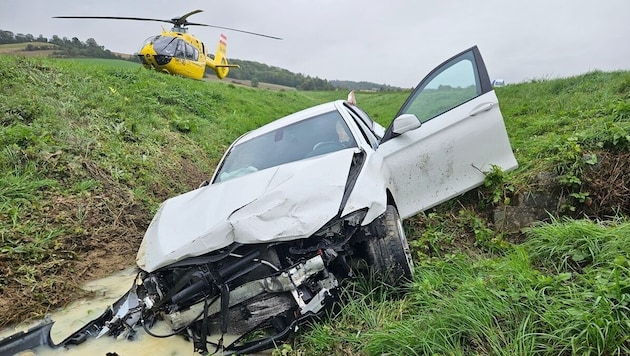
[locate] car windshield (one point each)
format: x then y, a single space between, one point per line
304 139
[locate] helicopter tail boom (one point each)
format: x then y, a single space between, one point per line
220 64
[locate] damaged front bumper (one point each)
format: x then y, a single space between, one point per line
207 306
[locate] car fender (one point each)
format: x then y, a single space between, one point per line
370 189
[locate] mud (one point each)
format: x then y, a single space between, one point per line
106 291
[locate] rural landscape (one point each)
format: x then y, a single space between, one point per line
534 262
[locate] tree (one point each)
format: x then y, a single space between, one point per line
7 37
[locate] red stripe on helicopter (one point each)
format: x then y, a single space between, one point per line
223 40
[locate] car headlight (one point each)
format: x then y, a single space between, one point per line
338 224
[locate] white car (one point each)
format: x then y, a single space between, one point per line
304 202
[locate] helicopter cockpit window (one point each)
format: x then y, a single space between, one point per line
151 40
181 49
190 52
165 45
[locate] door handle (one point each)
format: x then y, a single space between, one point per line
481 108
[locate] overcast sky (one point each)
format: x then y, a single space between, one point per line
393 42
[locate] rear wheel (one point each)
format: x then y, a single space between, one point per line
389 255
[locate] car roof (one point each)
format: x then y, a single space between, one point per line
292 118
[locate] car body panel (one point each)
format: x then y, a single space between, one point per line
369 190
458 142
430 163
281 203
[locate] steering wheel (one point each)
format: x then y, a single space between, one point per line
328 146
325 147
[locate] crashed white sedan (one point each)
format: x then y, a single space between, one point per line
299 204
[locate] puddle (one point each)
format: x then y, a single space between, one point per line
76 315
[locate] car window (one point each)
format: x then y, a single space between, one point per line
456 83
304 139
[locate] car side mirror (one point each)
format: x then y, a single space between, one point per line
404 123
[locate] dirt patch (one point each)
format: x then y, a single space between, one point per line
101 235
98 232
608 185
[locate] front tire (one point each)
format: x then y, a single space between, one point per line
389 255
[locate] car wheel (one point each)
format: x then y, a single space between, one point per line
389 255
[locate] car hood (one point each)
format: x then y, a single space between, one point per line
282 203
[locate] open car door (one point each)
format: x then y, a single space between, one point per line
446 135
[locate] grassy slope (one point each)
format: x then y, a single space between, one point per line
565 290
90 150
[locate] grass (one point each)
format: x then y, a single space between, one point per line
108 63
89 150
12 47
587 112
522 303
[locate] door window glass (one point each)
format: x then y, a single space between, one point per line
190 52
195 54
452 85
180 52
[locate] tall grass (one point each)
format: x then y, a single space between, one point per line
587 112
565 291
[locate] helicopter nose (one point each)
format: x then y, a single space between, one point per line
162 59
149 60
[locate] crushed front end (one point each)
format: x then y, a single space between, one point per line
246 290
259 293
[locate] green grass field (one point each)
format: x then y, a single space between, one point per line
107 63
90 148
7 47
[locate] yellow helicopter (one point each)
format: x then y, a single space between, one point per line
178 52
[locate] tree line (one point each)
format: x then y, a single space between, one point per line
62 47
259 72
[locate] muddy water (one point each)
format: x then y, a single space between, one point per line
107 291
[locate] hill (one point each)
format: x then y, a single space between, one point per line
91 149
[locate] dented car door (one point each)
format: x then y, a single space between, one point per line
460 134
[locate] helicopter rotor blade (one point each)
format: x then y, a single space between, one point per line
176 21
112 18
234 29
181 21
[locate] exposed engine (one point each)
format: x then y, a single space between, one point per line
263 289
259 293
